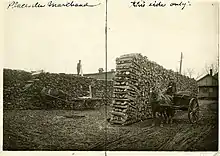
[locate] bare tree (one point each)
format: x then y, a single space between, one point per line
198 76
213 66
177 69
190 72
184 72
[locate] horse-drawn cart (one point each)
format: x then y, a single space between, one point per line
87 103
52 95
167 104
79 103
186 101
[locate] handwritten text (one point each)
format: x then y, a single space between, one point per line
158 4
51 4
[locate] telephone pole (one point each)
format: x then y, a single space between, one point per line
181 58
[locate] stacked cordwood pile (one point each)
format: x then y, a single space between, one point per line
135 76
22 89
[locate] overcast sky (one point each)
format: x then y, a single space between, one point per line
55 39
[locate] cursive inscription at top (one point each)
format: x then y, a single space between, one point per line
158 4
51 4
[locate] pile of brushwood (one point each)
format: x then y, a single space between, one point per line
23 90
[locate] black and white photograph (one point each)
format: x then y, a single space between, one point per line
111 75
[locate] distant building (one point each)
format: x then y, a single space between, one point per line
101 70
101 75
208 86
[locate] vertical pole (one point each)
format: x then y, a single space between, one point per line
90 91
177 81
218 50
181 57
106 83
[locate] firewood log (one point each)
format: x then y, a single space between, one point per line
22 89
139 74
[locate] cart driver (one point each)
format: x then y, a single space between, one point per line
171 88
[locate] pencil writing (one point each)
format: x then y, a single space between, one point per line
51 4
158 4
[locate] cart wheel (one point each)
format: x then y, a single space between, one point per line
193 111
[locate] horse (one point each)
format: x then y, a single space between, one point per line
161 103
156 108
50 95
169 111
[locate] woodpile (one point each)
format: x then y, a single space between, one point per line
135 76
22 90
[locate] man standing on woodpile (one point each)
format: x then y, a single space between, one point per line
79 68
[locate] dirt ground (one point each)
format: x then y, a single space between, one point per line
89 130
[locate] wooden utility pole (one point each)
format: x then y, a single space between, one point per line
181 58
218 41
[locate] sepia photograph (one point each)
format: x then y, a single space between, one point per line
166 81
131 75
